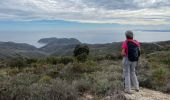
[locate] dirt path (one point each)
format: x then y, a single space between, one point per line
146 94
143 94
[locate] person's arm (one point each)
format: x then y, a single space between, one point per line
139 49
123 52
139 52
124 46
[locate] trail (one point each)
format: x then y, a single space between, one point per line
143 94
146 94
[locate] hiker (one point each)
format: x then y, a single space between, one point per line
130 53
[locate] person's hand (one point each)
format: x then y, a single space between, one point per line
123 52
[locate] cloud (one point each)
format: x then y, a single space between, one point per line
141 12
128 4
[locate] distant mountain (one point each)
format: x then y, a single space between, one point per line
65 47
11 49
102 49
19 46
59 46
55 48
59 41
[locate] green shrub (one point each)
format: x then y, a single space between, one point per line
56 90
82 57
20 62
145 81
54 70
155 73
13 71
87 67
159 78
82 85
101 86
99 58
59 60
31 60
113 57
79 49
116 86
29 69
45 79
114 76
29 87
77 69
24 79
9 92
17 87
60 66
66 60
53 60
16 62
81 52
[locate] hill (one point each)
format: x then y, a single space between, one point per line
58 46
11 49
61 49
19 46
65 47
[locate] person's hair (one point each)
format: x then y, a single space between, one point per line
129 34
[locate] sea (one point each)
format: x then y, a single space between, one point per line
91 37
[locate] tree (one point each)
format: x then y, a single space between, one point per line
81 52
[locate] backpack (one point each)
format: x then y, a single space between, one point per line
133 51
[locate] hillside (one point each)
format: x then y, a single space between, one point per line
100 49
11 49
65 47
19 46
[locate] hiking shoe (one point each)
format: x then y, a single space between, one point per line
137 90
128 92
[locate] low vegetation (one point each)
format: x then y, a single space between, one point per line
59 78
155 72
70 78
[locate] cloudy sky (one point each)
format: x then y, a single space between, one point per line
89 11
82 15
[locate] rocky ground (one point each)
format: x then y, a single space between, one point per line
143 94
146 94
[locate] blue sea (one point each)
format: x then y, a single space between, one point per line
88 36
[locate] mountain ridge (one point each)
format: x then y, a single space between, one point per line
59 41
65 47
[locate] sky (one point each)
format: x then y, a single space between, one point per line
88 20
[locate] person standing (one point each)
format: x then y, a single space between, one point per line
131 54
